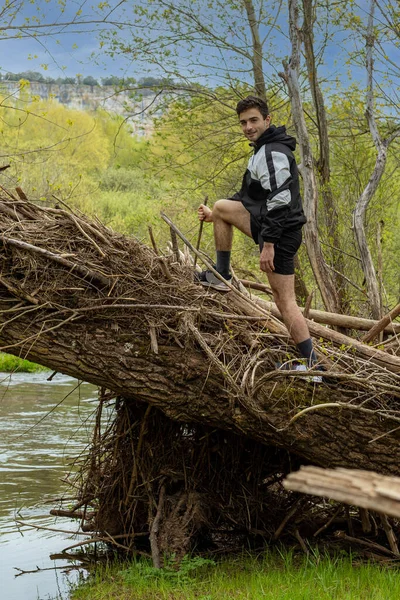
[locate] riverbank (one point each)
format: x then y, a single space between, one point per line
268 576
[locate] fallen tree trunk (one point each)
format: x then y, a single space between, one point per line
206 416
216 360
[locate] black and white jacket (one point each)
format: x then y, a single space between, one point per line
270 189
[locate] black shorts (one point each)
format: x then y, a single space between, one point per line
285 248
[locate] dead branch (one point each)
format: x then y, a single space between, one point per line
382 325
360 488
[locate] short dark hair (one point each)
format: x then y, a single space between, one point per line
253 102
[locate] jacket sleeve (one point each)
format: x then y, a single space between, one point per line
274 174
238 196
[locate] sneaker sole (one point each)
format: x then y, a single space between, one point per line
215 286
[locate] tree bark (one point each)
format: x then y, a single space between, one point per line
371 187
321 272
323 162
369 490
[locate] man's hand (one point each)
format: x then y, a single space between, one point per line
204 213
267 258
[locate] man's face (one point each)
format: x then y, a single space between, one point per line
253 123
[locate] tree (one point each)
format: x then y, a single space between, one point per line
112 80
89 80
381 148
322 274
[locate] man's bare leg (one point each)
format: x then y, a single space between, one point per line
284 295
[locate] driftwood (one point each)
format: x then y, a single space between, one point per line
355 487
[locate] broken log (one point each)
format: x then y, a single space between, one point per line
366 489
205 424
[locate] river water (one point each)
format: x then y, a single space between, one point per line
44 425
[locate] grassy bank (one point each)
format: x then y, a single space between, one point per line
10 364
272 576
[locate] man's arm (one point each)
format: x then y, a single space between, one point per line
273 170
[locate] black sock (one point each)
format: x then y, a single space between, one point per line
306 350
223 263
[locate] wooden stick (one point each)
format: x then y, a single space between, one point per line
200 234
366 543
378 357
365 520
86 273
273 324
307 307
381 325
287 518
17 291
254 285
21 193
175 246
329 522
163 264
390 535
301 542
153 241
155 551
153 339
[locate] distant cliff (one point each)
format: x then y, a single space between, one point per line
92 98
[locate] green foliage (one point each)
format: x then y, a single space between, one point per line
89 80
187 570
94 163
10 364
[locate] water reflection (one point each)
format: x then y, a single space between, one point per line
44 425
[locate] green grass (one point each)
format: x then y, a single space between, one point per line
272 576
10 364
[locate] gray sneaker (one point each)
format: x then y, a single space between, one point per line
208 279
301 367
312 378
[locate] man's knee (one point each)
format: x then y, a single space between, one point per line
284 301
221 208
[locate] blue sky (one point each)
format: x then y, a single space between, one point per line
68 52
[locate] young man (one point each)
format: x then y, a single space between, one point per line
267 208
